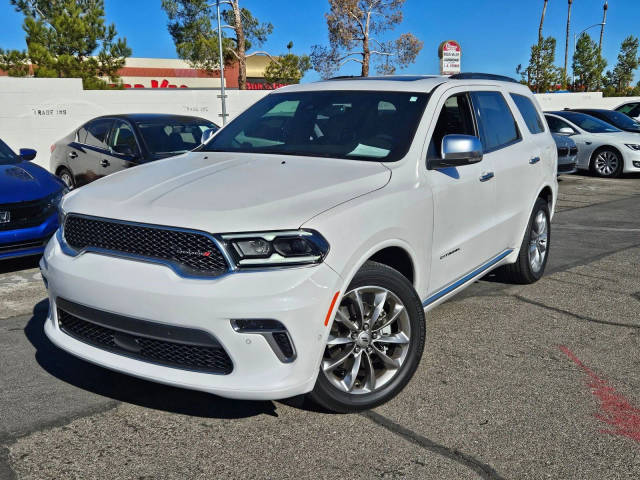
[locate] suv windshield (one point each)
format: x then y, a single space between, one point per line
358 125
588 123
6 155
168 138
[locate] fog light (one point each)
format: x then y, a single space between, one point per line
636 164
274 332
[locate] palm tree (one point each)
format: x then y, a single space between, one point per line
544 11
604 20
566 45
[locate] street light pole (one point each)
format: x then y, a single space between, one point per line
223 96
575 42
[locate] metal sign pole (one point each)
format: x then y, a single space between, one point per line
223 96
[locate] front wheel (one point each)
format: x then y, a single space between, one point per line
375 342
607 163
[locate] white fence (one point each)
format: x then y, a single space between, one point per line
36 112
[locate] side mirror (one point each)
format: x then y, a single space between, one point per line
126 150
207 134
457 151
566 131
27 154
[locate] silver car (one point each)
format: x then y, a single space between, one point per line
567 154
602 148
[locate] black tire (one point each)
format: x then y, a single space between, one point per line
601 163
67 178
522 272
327 395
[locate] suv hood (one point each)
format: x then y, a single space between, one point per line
228 192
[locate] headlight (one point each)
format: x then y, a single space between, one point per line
633 146
273 249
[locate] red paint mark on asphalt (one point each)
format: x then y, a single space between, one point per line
615 410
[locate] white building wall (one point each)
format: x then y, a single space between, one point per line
36 112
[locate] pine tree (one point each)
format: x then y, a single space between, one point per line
68 38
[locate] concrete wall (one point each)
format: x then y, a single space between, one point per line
36 112
559 101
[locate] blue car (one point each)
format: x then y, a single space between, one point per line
29 198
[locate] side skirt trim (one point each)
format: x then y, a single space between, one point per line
458 283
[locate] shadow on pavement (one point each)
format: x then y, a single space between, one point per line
124 388
17 264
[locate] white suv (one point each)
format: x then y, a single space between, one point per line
298 250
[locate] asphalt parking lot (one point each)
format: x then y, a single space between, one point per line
516 382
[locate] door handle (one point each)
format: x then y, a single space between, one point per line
534 160
486 176
588 143
104 162
73 154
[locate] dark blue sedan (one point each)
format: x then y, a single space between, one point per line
29 198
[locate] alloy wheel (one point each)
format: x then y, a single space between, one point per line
538 241
606 163
368 342
67 180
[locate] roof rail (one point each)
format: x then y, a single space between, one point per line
482 76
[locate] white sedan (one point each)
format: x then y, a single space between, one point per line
602 148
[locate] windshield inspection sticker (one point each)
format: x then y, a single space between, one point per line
413 99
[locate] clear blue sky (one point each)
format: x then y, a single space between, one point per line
495 34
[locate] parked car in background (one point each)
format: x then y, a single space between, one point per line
567 154
603 149
617 119
298 249
631 109
29 197
111 143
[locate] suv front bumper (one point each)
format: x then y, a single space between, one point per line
299 298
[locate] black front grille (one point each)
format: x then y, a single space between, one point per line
566 167
207 358
26 214
17 247
192 253
563 151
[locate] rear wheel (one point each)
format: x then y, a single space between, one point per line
606 163
534 250
375 342
67 178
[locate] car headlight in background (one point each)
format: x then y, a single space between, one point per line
279 248
633 146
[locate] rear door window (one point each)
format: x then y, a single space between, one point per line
97 133
498 128
529 113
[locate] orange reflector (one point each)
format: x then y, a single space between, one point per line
333 303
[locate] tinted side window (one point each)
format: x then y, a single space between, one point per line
555 124
495 121
97 132
122 136
455 118
529 113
